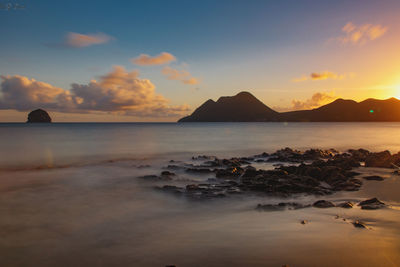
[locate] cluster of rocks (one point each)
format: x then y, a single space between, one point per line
314 171
369 204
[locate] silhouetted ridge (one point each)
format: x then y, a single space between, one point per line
244 107
240 108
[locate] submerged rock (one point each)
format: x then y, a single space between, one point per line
167 173
155 178
373 178
359 224
199 170
38 115
323 204
371 204
281 206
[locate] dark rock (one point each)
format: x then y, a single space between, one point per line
270 207
167 173
39 115
154 178
304 222
212 163
171 189
346 205
193 187
174 167
373 178
381 159
202 157
351 173
229 172
281 206
359 154
323 204
313 154
314 172
262 155
359 224
143 166
250 172
371 204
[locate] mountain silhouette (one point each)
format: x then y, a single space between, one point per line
244 107
241 107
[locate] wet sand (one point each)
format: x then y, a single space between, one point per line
103 215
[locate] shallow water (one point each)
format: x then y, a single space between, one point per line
64 143
85 206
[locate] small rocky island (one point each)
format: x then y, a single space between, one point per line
38 115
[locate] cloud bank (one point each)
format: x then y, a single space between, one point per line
160 59
119 91
359 35
78 40
179 75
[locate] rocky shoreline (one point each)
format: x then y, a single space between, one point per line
312 172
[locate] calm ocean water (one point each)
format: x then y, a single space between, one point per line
23 145
70 196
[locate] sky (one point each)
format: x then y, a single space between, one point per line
159 60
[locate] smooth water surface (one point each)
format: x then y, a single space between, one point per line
70 196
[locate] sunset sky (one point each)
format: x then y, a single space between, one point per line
159 60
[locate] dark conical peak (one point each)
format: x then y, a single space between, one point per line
342 101
244 94
209 101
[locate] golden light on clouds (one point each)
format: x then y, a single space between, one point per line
324 75
316 100
119 91
179 75
354 34
160 59
77 40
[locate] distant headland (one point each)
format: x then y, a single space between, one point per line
244 107
38 115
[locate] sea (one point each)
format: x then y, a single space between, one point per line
70 196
